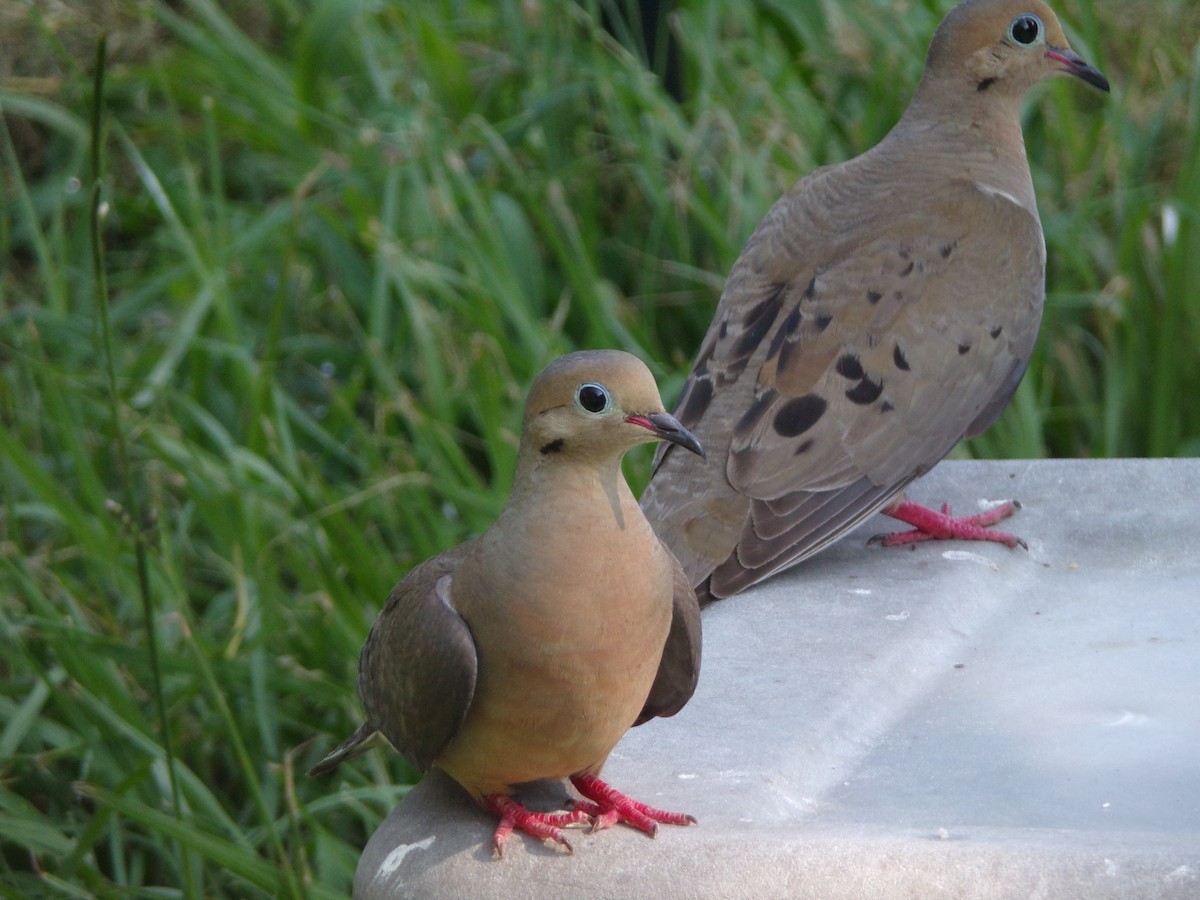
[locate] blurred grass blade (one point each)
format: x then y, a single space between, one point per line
238 860
132 501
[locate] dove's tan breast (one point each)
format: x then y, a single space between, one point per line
565 664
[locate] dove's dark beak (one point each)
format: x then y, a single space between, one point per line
1073 64
667 427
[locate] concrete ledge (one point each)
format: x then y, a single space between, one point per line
950 720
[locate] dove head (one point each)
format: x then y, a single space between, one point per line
1003 47
597 404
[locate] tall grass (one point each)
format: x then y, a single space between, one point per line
338 241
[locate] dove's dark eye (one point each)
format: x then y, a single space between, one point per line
1026 29
594 398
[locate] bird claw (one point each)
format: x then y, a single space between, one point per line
930 525
608 806
544 826
603 808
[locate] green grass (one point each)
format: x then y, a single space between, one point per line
339 240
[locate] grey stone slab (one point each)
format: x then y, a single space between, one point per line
950 720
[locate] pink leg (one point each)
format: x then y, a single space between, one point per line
610 806
544 826
929 525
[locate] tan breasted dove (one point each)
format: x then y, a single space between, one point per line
883 310
527 652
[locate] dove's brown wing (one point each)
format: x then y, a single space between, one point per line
417 670
869 324
679 668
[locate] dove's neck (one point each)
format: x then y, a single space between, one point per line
591 488
568 516
976 136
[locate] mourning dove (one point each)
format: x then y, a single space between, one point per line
527 652
883 309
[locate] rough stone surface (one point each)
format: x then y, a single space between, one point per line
949 720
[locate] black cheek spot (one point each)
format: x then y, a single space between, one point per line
798 415
985 84
698 397
865 392
874 297
995 332
553 447
900 359
964 349
849 366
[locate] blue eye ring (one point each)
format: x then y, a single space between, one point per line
593 398
1026 30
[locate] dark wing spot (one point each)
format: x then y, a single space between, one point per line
804 447
963 349
777 343
699 395
822 321
900 359
849 366
985 84
751 416
553 447
700 367
786 350
758 322
798 415
947 249
723 331
906 271
995 332
789 327
865 392
811 290
792 322
874 297
732 372
886 406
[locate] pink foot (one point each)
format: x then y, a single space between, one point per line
610 806
929 525
544 826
